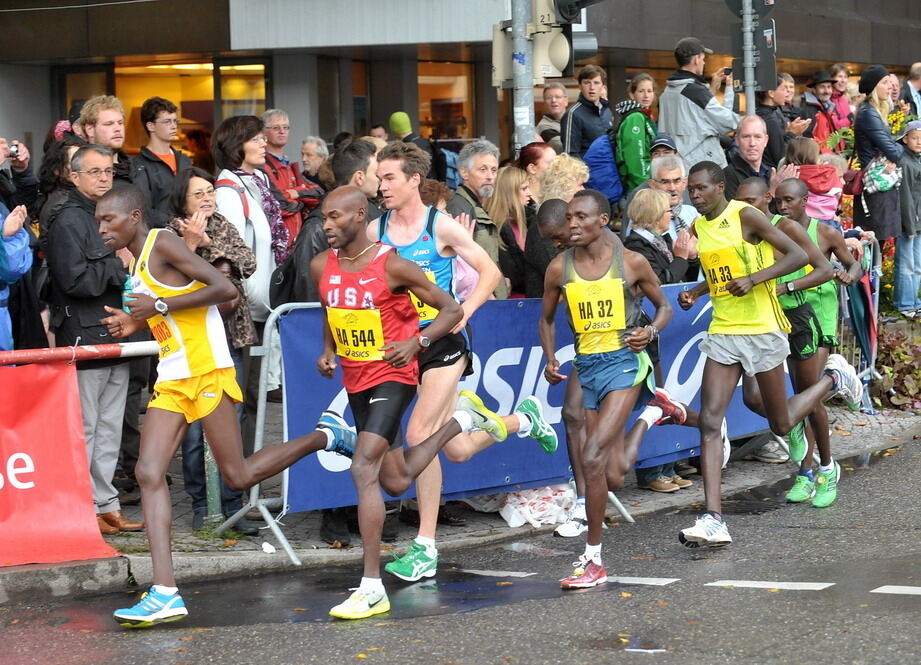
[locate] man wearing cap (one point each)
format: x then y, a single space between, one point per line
401 127
689 110
818 107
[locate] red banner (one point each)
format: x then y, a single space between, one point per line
46 504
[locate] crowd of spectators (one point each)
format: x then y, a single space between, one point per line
253 211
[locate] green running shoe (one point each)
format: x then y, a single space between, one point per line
414 565
796 442
540 428
803 489
483 418
826 487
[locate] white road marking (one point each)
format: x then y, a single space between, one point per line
786 586
904 590
650 581
492 573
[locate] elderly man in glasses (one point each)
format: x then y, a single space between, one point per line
155 168
85 276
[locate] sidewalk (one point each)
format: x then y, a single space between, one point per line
197 556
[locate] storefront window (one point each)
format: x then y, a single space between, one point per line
446 100
242 90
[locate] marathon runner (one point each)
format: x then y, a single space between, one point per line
432 240
603 285
175 294
373 328
809 297
747 332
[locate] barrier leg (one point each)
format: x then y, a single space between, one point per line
212 484
614 501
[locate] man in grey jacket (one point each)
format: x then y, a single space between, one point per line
689 110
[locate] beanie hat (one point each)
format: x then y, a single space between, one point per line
400 123
871 77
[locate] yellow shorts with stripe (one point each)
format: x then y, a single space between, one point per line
197 396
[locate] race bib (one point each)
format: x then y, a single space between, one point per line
426 313
721 266
163 333
596 309
358 333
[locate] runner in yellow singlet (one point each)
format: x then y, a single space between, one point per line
175 293
602 285
747 332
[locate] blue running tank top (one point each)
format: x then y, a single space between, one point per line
423 251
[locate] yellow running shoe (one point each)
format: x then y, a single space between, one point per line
483 418
361 605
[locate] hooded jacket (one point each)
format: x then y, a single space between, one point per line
825 187
634 136
825 120
154 177
693 116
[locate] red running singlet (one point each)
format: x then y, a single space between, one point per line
363 315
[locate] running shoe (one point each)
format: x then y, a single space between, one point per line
826 487
540 428
771 453
673 411
344 436
152 608
660 484
483 418
796 442
414 565
361 605
706 532
586 574
847 385
803 489
727 444
576 525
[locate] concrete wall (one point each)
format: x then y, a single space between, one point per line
25 106
336 23
294 83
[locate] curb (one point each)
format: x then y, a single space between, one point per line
85 578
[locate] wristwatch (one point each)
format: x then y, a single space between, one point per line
424 341
790 286
161 306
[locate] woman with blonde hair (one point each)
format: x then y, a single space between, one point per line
565 176
507 207
879 212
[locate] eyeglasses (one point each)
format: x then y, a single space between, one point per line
98 173
279 128
259 139
201 193
168 121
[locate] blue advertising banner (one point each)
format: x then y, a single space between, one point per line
508 366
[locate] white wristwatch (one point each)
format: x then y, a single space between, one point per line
161 306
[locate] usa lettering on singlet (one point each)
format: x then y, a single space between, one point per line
725 255
599 309
423 251
192 341
363 316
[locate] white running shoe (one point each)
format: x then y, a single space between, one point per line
576 525
706 532
849 387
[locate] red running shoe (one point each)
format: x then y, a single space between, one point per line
673 411
587 574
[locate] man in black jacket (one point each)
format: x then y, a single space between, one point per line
86 276
911 90
746 158
154 170
590 116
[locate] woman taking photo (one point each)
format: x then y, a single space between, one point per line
507 207
207 233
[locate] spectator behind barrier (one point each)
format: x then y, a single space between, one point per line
746 158
508 209
779 130
590 116
534 158
103 121
556 100
313 153
565 176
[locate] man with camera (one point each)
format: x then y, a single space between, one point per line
18 184
689 110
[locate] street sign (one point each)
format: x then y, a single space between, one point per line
765 43
759 7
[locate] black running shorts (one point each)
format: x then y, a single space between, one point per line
380 409
446 351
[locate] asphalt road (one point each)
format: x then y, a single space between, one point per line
798 584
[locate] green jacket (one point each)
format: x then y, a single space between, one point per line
634 136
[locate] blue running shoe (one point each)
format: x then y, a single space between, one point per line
151 609
344 436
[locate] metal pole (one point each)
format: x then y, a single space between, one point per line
522 72
748 55
212 484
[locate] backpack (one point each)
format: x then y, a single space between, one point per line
452 176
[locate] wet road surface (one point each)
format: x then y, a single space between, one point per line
798 584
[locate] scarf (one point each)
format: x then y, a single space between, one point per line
273 214
656 241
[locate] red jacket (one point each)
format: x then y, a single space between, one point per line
285 177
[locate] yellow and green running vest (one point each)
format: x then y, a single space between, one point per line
726 255
600 310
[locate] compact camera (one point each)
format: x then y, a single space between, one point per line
14 151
